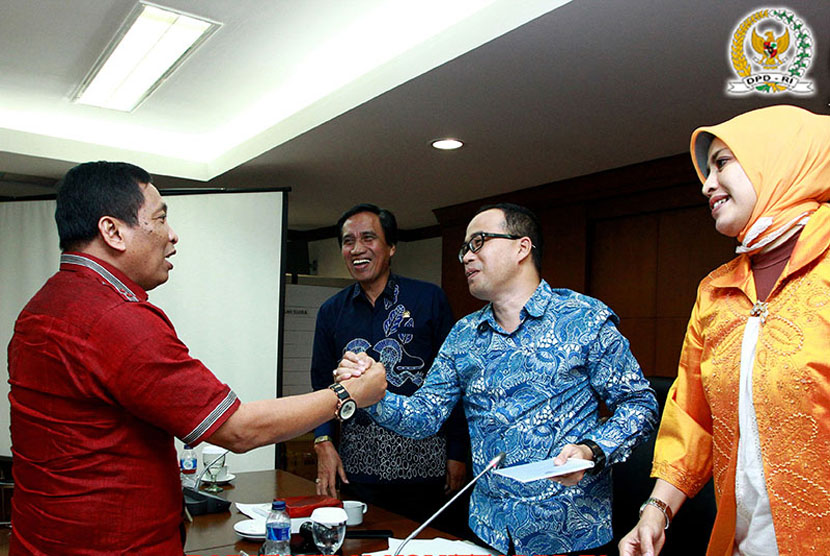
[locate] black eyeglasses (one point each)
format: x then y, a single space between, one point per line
477 242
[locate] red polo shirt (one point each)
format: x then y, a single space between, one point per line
100 384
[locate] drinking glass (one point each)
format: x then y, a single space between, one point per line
328 527
214 463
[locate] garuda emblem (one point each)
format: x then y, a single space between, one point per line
770 47
780 49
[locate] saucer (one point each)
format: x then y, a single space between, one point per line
228 478
253 529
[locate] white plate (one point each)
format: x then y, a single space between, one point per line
253 529
230 477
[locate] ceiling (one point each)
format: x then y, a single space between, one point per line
539 90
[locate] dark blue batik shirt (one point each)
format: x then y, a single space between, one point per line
403 330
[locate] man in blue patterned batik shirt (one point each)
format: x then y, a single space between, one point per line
531 368
401 322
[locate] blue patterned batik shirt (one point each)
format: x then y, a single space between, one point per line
528 393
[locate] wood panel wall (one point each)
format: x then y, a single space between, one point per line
639 238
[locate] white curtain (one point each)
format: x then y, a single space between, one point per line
222 295
28 257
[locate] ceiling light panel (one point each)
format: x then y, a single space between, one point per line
147 49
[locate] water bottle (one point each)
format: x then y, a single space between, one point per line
187 465
277 531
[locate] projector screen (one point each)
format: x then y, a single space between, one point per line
224 294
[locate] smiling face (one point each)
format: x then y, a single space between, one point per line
731 195
363 245
150 242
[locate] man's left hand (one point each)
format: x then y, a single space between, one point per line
580 451
456 473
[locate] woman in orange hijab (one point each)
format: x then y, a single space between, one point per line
751 403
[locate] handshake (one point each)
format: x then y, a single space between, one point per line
363 377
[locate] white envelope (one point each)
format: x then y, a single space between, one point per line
544 469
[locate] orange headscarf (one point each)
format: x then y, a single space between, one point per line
785 152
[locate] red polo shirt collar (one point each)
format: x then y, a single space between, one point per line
110 275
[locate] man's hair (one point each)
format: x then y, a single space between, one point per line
92 190
522 221
387 222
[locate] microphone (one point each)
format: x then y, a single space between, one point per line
495 462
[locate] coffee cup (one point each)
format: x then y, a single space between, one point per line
354 511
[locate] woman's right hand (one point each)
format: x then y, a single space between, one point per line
648 536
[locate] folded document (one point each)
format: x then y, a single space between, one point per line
544 469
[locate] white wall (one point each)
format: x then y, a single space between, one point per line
223 293
301 306
414 259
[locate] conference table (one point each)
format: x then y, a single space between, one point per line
213 534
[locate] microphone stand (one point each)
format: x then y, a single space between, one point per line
208 466
197 502
495 462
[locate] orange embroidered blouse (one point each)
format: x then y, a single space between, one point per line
698 436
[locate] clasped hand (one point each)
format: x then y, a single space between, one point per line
366 382
354 365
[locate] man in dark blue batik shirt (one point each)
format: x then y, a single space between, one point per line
403 323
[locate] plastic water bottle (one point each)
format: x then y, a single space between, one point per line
277 531
187 465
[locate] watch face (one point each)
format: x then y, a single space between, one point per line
347 409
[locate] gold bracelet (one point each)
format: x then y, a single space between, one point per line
322 438
660 505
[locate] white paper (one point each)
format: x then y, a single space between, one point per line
261 511
544 469
255 511
425 547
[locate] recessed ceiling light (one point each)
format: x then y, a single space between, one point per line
148 47
447 144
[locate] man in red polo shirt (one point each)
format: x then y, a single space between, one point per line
100 383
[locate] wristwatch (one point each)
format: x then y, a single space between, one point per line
660 505
346 406
599 456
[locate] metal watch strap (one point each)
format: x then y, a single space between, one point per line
660 505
